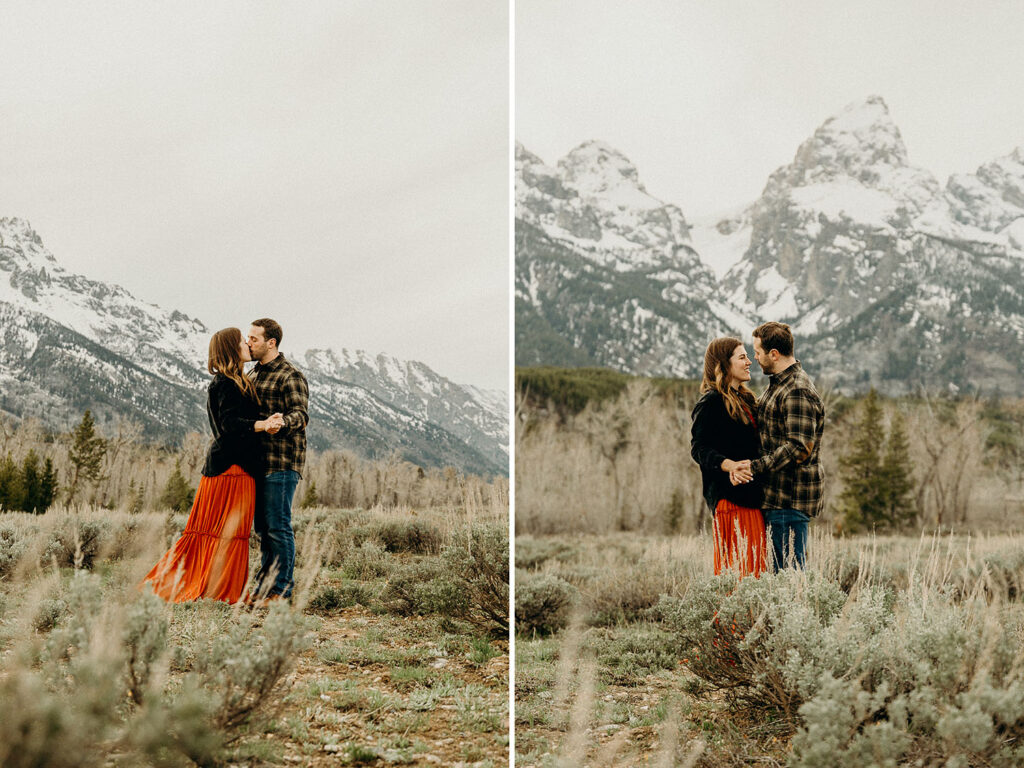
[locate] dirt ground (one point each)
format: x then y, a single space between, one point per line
380 690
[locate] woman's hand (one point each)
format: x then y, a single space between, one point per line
739 471
271 425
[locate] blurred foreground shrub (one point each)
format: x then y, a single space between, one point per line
93 682
876 677
12 547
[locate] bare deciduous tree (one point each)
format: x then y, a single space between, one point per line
950 439
623 464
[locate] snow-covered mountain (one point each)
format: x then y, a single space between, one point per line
71 343
606 274
478 417
888 278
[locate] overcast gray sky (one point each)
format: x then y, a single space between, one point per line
341 167
708 98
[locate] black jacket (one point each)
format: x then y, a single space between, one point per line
232 415
716 436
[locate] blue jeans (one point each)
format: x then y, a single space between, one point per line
273 523
788 530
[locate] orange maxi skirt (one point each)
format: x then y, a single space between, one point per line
211 557
739 539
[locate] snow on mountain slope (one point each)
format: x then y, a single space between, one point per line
71 343
888 278
606 273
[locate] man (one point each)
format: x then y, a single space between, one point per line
282 389
790 418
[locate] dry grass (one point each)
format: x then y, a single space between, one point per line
646 707
105 675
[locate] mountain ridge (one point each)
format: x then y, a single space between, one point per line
73 343
889 278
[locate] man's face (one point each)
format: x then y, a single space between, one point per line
766 360
258 344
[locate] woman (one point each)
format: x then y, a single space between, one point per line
724 433
211 558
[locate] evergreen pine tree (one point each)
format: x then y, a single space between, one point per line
86 453
861 501
896 480
310 498
136 497
32 483
47 486
178 494
12 491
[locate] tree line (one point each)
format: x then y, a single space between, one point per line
602 451
109 466
27 487
33 485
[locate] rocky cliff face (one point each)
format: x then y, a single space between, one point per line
72 343
888 278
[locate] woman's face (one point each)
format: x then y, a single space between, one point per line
243 348
739 367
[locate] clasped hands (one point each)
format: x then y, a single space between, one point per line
739 471
272 425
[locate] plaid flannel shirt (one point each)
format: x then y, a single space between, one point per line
282 389
791 417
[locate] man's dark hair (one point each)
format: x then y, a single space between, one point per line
775 336
271 330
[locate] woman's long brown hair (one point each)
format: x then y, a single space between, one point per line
739 401
226 358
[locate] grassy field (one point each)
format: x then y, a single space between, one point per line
887 651
393 652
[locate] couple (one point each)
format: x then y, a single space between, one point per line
759 458
253 465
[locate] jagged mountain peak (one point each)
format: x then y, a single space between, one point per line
861 117
826 232
476 416
853 168
18 236
992 198
523 155
594 196
595 249
361 367
594 159
862 143
104 313
598 171
17 226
